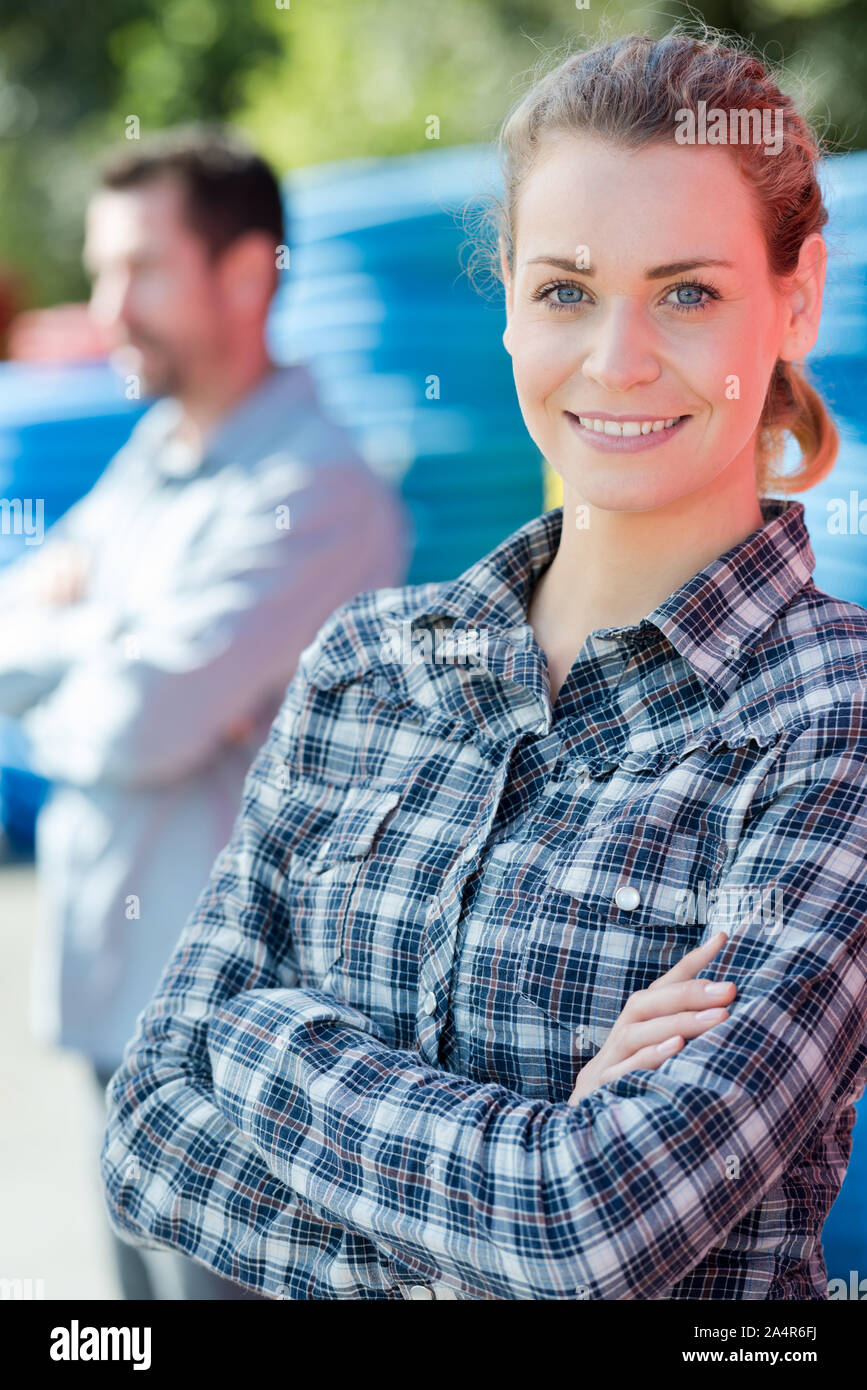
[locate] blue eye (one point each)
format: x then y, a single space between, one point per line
567 293
569 288
692 288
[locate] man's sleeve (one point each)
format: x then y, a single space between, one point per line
620 1196
176 1174
155 704
82 523
39 642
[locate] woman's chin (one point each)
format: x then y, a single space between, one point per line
617 493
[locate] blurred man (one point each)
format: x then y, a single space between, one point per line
146 647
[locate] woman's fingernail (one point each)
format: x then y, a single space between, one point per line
716 991
711 1013
669 1045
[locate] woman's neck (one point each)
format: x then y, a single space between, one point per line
616 568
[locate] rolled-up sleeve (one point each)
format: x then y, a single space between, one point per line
623 1194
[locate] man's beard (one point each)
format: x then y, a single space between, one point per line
158 373
162 380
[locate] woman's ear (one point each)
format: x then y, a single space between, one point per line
507 288
803 297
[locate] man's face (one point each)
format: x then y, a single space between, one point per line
155 293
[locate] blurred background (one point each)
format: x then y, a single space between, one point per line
380 117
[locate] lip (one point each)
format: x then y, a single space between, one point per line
623 419
617 444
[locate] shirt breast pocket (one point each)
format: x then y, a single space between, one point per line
615 913
331 870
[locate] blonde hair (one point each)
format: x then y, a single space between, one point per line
628 90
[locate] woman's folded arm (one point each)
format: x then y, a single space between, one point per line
623 1194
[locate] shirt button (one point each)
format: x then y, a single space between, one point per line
419 1291
430 1007
627 897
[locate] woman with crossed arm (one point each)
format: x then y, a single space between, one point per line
535 966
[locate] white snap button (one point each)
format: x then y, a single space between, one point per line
627 898
419 1291
430 1002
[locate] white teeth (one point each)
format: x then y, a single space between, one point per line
628 428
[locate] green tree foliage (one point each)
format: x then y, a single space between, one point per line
312 80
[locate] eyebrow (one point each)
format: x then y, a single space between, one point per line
656 272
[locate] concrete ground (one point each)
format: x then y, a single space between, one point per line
52 1224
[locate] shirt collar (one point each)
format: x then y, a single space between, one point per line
714 620
236 436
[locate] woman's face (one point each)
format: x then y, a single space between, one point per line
615 309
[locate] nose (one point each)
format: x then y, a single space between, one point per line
109 298
622 351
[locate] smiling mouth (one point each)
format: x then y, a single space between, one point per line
627 429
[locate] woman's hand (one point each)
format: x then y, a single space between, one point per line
656 1021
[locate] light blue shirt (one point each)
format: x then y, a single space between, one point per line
210 575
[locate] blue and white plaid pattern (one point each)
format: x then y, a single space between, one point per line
352 1080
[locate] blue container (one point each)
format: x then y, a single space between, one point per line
838 367
59 427
407 353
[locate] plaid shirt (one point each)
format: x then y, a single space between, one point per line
352 1081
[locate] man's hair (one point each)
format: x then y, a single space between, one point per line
228 189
